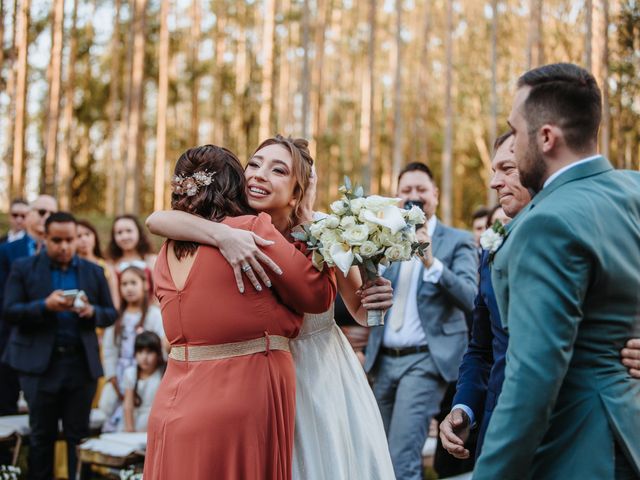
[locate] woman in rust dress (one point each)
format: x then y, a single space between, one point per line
225 409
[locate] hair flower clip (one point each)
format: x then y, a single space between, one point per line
190 184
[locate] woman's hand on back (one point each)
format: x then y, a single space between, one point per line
241 249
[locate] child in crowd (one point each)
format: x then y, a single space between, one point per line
135 316
141 381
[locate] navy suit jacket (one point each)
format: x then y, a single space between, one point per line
482 370
33 337
9 253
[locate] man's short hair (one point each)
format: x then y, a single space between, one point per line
59 217
416 167
479 212
18 201
565 95
501 140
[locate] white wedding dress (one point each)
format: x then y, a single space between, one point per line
339 433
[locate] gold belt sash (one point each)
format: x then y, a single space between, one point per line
197 353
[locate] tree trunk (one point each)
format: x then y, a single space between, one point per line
605 131
22 36
317 98
588 5
266 98
219 40
163 89
242 72
7 154
110 134
133 163
306 70
53 111
194 46
397 96
535 54
367 118
2 17
493 126
64 163
422 145
447 151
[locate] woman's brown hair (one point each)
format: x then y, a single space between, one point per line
143 248
302 166
224 197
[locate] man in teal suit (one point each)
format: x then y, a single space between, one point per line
566 280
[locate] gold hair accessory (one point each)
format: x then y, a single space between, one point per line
189 185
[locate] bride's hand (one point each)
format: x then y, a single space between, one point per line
241 249
377 294
306 206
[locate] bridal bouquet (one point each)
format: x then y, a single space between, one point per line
365 232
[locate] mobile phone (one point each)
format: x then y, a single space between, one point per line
70 293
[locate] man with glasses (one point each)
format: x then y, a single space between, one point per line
17 216
28 245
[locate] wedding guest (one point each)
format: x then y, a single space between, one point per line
479 223
129 245
141 382
28 245
497 213
281 181
565 390
194 430
53 344
135 315
17 215
418 350
89 243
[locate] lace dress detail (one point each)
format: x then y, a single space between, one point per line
339 433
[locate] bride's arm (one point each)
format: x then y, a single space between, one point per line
377 295
239 247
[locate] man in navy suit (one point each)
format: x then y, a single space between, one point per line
39 211
482 370
53 344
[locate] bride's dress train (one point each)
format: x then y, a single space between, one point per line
339 433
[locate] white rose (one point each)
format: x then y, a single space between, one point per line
396 253
317 228
416 216
330 237
384 238
339 207
356 234
490 240
348 221
368 249
332 221
356 205
376 202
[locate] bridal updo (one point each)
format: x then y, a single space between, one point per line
209 182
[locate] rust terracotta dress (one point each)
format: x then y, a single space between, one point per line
231 419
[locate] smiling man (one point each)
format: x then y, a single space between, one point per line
566 283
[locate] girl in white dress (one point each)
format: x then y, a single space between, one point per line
339 433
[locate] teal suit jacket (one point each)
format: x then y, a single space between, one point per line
567 280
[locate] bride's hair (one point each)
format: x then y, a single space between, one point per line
224 196
302 165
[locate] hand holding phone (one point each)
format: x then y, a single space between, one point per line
57 301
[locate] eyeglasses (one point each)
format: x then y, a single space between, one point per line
43 212
18 215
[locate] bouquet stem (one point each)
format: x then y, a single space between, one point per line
375 318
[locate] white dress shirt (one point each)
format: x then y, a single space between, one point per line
412 334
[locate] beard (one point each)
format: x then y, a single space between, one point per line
532 168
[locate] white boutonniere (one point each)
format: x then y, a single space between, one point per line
492 238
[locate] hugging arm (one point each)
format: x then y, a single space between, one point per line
239 247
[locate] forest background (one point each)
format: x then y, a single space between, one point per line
99 97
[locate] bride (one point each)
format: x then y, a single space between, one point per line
338 429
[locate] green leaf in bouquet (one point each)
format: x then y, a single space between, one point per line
359 192
347 183
300 236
